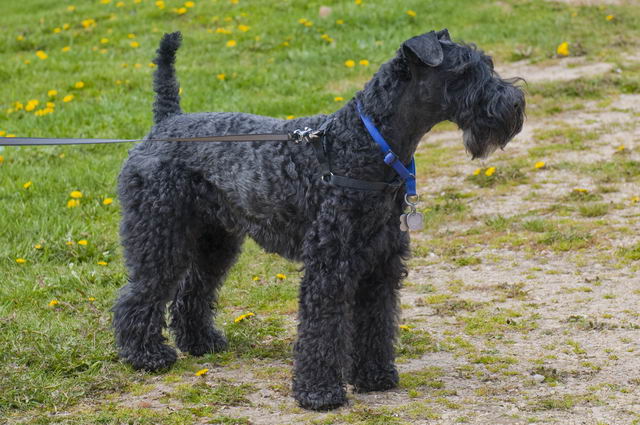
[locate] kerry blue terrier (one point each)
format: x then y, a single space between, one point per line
188 206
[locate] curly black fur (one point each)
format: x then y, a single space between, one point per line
186 208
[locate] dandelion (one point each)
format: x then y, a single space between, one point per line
411 13
88 23
107 201
57 30
104 40
76 194
71 8
68 98
290 117
256 278
105 1
160 4
281 276
364 62
221 77
41 55
189 4
20 260
79 85
621 148
66 48
477 171
91 299
610 18
358 2
131 35
181 11
580 190
53 303
102 263
340 21
73 203
243 317
52 93
635 199
31 105
66 26
37 246
134 44
563 49
244 28
490 171
539 164
69 243
338 99
83 242
231 43
404 327
27 185
350 63
201 372
1 157
20 37
120 4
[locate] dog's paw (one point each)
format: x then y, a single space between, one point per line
368 379
326 399
151 358
213 341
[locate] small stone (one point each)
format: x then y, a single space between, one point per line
325 11
538 378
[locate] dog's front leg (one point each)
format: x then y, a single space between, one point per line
325 323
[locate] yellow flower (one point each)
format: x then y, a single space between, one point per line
256 278
160 4
621 148
67 98
490 171
66 48
243 28
66 26
131 35
609 17
350 63
364 62
53 303
57 30
635 199
107 201
181 11
88 23
41 54
72 203
105 1
281 276
104 40
37 246
91 299
20 37
563 49
358 2
340 21
539 164
20 260
79 85
83 242
102 263
477 171
31 105
71 8
243 317
134 44
76 194
411 13
120 4
404 327
69 243
189 4
52 93
1 157
221 77
202 372
27 185
580 190
290 117
338 98
231 43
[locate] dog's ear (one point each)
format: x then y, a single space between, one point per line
443 35
426 48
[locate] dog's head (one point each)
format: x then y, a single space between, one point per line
459 82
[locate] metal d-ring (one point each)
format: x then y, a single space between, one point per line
411 200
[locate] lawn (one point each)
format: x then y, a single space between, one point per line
83 69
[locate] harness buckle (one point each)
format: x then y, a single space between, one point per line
390 158
305 135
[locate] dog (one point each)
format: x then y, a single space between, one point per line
186 208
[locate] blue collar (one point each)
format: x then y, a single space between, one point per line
390 158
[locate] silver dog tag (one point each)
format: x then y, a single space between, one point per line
403 223
415 221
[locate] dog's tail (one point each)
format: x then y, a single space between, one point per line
165 85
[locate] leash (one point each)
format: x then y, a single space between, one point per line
295 136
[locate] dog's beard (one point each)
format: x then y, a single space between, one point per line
479 148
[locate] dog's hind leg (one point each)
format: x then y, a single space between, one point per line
157 233
193 307
375 318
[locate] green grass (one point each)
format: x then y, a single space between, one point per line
60 357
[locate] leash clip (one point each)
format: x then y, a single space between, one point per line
305 135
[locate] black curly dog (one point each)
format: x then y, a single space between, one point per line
188 206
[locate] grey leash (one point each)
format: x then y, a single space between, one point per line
296 136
